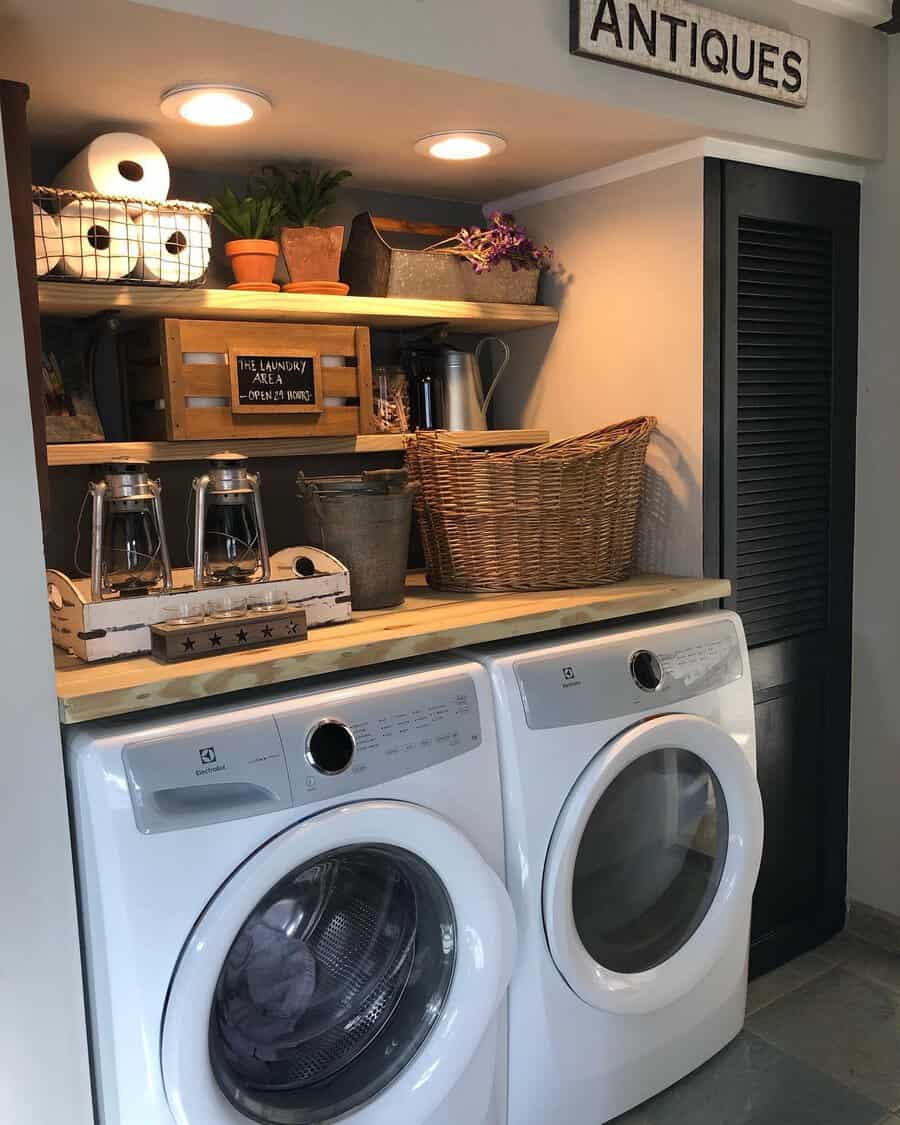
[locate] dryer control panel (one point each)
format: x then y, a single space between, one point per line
293 755
367 742
614 677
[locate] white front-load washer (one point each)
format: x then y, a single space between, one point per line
293 909
633 842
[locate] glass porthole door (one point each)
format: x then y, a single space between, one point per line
652 863
351 966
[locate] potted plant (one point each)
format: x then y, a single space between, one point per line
312 252
252 219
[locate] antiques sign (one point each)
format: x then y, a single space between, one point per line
683 40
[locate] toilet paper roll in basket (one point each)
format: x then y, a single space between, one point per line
47 240
174 247
124 164
99 240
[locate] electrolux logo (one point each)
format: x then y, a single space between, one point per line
570 677
210 764
683 40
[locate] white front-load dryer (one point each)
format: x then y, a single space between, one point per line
633 842
293 908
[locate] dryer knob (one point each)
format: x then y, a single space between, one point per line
646 670
330 747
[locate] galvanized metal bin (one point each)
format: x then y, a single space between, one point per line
374 267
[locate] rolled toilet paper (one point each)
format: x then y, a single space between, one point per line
47 240
174 247
119 164
99 240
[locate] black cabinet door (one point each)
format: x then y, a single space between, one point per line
782 281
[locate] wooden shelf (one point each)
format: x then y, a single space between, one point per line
80 299
99 452
427 622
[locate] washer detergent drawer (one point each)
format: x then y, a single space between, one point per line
190 780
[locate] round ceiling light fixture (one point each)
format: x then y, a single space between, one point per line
470 145
200 103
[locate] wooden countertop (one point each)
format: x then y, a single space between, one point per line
427 622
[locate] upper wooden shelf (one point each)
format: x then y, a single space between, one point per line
81 299
99 452
427 622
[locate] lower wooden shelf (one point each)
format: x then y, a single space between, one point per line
427 622
95 453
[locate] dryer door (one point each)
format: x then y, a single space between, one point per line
652 864
350 967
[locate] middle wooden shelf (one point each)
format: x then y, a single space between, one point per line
94 453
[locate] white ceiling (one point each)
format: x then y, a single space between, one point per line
100 65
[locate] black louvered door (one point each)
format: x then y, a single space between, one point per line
780 514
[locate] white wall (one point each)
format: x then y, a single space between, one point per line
43 1049
526 43
874 877
628 281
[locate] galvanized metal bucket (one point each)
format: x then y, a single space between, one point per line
365 522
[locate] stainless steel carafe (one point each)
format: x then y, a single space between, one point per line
464 403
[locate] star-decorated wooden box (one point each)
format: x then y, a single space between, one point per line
211 636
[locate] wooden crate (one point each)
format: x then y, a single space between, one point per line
179 380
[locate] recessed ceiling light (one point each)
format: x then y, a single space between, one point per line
201 104
461 146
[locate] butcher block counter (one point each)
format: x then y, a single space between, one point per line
427 622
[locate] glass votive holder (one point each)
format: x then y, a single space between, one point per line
180 611
228 604
268 601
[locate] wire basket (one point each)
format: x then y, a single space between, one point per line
82 236
555 516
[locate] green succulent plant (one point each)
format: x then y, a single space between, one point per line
253 215
304 193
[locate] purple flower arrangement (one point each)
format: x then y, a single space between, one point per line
501 241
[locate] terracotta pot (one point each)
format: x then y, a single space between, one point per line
252 259
312 253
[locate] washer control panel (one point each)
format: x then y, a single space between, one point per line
609 678
379 738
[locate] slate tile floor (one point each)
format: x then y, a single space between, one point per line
821 1047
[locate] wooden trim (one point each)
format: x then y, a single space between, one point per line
82 299
410 226
364 380
17 152
170 331
427 622
97 453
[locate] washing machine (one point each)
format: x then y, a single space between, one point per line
293 908
633 839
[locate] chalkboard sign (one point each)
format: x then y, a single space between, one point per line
275 384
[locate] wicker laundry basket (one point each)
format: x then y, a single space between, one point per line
554 516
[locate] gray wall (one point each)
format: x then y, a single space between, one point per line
875 763
525 43
43 1044
627 280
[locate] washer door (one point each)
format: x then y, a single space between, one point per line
652 864
356 960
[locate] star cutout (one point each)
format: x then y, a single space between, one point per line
215 640
267 631
188 644
292 627
242 636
